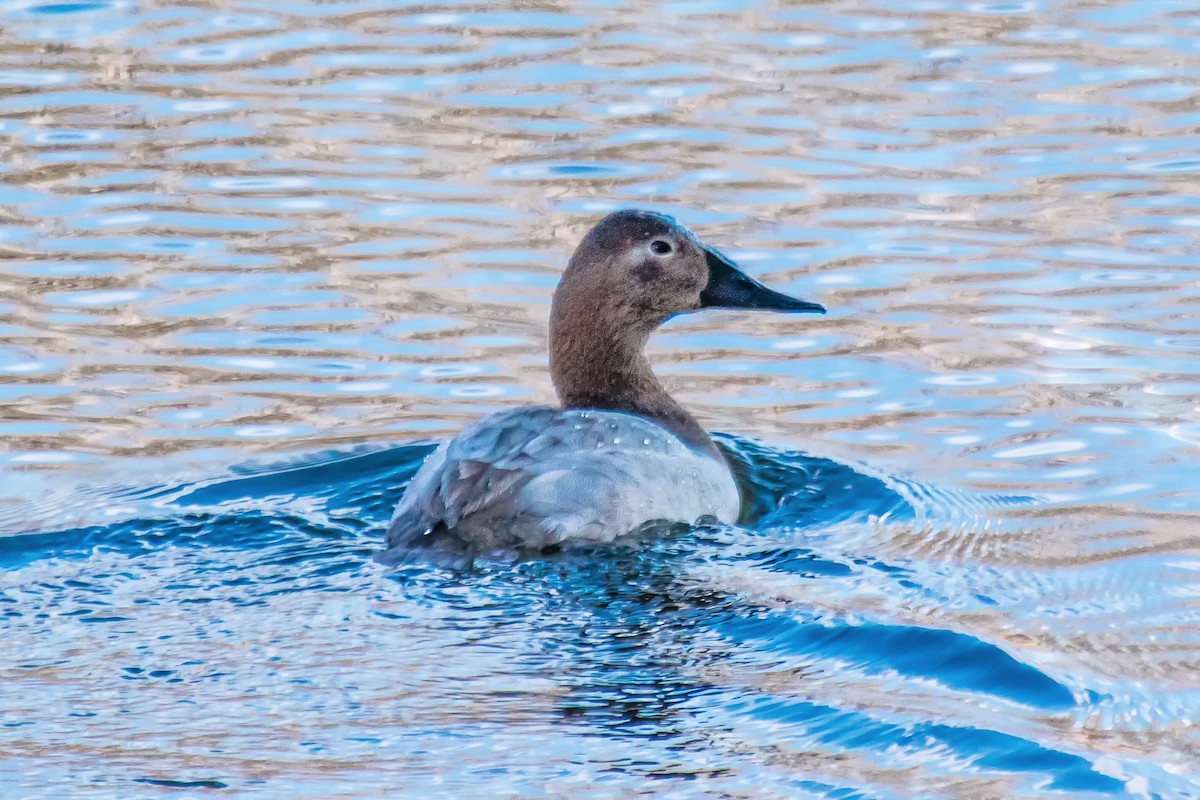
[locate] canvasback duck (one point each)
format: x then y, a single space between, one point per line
620 452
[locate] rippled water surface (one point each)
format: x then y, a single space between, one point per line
256 257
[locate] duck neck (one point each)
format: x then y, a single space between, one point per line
611 372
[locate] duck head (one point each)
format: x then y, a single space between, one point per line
636 269
632 272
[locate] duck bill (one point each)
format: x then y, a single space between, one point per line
729 287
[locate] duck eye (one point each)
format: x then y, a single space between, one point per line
660 247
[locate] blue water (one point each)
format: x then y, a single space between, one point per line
611 645
257 259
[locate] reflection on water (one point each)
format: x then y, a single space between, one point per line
333 229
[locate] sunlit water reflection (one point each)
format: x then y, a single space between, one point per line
253 260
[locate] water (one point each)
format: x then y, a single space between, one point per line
254 260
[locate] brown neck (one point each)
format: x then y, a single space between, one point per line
604 367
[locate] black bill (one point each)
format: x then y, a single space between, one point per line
729 287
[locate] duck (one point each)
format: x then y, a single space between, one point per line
618 455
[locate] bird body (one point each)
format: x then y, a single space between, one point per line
534 477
